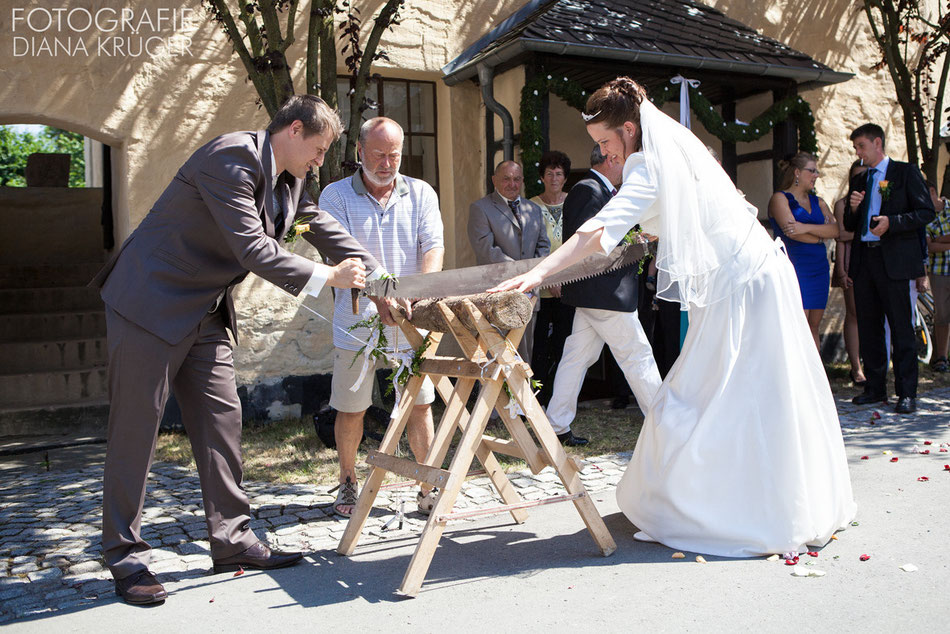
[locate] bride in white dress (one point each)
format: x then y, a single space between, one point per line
741 451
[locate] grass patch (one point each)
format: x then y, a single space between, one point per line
289 451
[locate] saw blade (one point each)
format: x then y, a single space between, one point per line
478 279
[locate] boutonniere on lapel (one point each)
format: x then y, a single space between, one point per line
301 226
884 187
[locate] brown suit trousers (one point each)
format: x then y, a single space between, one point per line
148 368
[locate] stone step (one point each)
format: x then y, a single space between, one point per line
17 357
52 326
89 416
47 389
48 275
65 224
43 300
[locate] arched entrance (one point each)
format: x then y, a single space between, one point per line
56 235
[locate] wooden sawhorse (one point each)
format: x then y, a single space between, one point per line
491 361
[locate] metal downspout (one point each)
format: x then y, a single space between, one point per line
486 78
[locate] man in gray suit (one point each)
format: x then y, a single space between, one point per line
503 226
168 312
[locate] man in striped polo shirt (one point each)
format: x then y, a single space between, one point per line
397 219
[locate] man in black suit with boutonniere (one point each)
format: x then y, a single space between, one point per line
887 207
606 312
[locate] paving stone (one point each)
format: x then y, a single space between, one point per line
282 520
45 575
312 514
195 548
85 567
12 592
24 569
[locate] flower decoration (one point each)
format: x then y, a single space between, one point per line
300 226
884 187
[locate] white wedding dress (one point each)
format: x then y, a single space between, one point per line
741 452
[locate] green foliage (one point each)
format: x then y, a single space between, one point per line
792 108
411 371
16 147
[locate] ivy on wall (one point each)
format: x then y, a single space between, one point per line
792 108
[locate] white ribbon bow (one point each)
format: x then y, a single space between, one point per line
404 359
684 97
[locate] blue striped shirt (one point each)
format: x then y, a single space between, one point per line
398 236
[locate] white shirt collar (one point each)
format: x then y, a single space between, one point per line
610 186
518 199
273 166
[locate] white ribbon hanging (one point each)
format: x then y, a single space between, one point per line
404 359
514 410
684 97
370 345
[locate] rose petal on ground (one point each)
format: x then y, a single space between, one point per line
876 415
946 467
864 557
923 479
812 553
943 450
240 571
772 558
894 459
928 442
909 568
864 457
700 559
211 600
835 537
679 556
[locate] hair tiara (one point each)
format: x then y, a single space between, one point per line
588 117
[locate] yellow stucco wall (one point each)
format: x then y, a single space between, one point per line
155 111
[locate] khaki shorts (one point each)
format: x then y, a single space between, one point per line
940 285
345 373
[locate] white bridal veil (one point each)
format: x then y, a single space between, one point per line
703 220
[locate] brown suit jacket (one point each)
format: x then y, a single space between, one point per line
206 232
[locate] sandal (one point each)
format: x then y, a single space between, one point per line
346 496
426 501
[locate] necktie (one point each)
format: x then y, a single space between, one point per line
513 204
868 194
279 219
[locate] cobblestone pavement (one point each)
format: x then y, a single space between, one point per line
49 536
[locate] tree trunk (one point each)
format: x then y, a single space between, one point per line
507 310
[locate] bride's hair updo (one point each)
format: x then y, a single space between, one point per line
615 102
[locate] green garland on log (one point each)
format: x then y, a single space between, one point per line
791 108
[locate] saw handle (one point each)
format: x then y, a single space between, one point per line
355 300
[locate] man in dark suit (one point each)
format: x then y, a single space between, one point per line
606 312
503 226
168 312
888 206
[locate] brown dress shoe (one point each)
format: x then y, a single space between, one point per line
140 588
259 557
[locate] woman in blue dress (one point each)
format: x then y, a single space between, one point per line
803 222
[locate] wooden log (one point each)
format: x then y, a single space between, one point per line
507 310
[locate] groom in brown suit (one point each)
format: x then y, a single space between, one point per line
168 312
